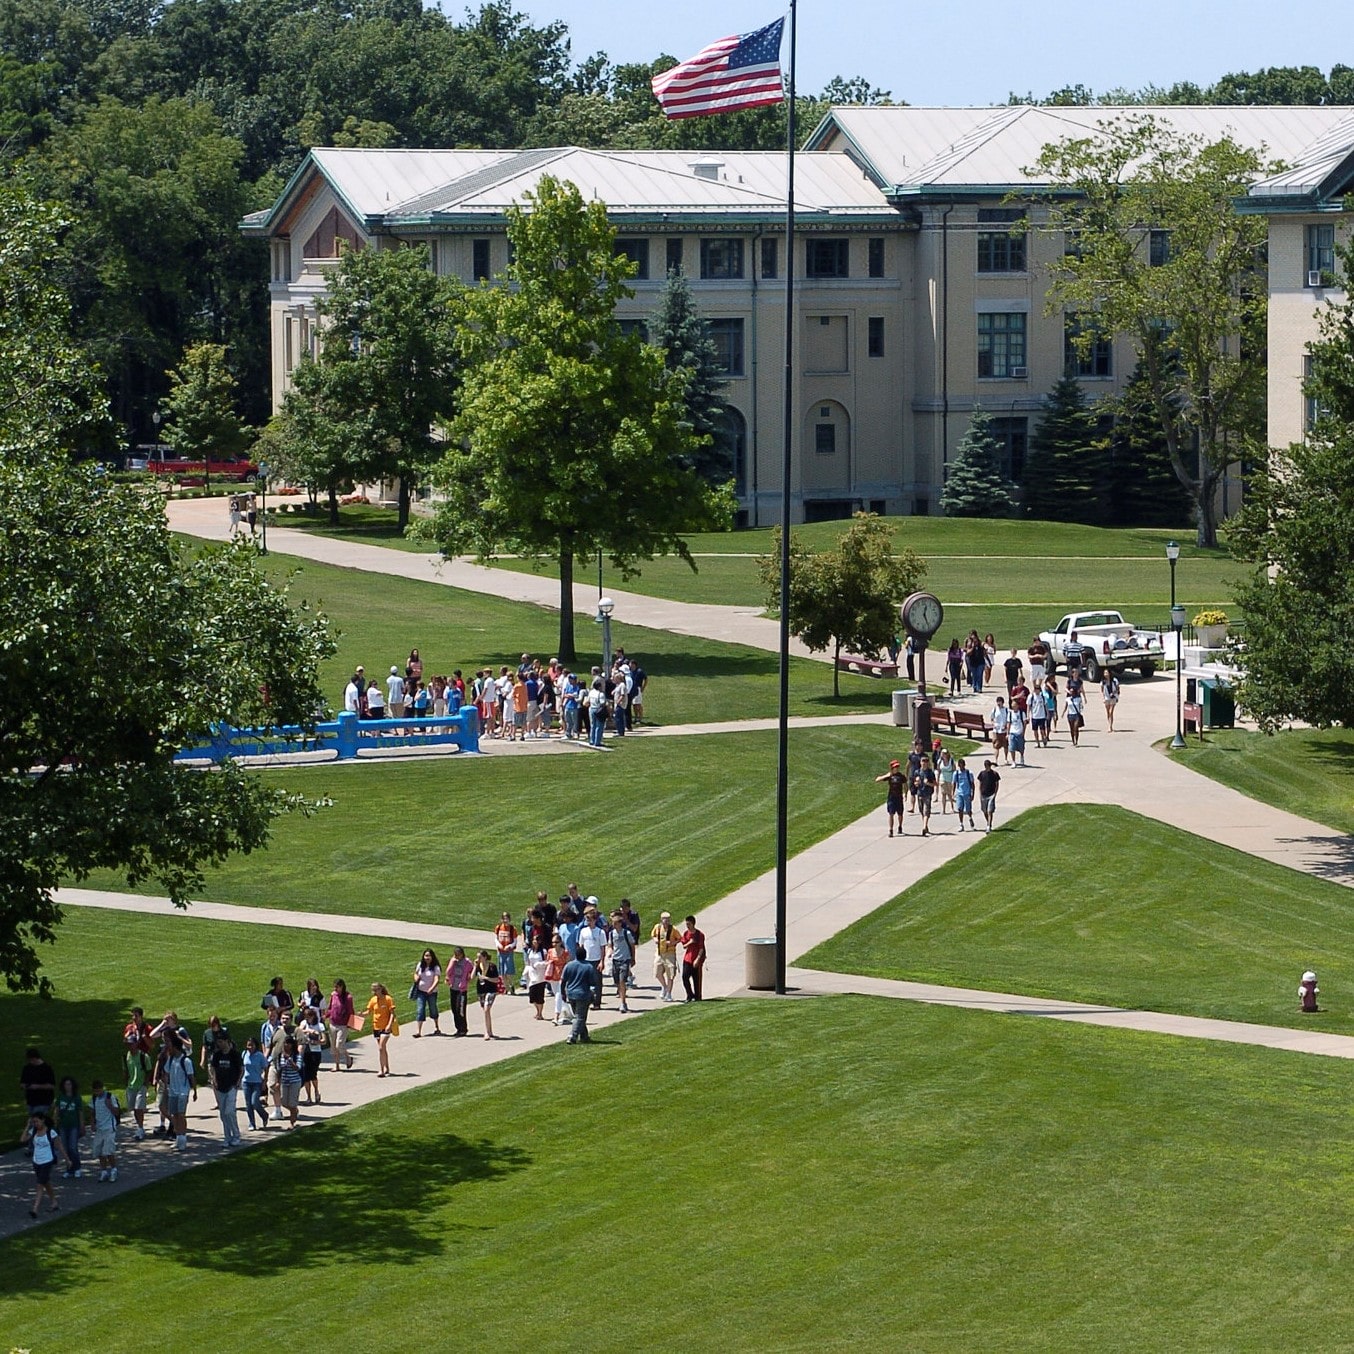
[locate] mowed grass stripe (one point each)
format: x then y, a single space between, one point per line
1096 904
677 822
1039 1185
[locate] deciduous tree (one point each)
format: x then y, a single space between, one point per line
201 421
1194 303
571 437
118 648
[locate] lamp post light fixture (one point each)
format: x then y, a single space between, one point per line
605 606
1178 625
262 478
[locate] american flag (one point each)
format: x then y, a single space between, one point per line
738 72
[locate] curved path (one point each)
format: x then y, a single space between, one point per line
832 884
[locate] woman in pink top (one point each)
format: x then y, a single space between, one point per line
458 984
339 1013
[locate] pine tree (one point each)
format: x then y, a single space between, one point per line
680 332
1144 490
974 486
1064 480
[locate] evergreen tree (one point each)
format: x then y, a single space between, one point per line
1143 488
974 486
1064 476
680 332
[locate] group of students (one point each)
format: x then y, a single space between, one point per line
553 937
533 701
913 788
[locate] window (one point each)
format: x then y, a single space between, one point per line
1001 251
479 266
1158 247
875 342
827 258
877 256
770 247
1321 252
637 251
1094 361
825 438
1313 408
1001 344
628 327
721 259
674 256
1012 436
727 336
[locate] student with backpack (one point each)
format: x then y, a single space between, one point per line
46 1144
106 1111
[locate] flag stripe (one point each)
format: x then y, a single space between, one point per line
732 73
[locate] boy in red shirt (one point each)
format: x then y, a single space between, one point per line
693 959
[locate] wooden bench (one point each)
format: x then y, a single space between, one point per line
867 667
942 719
968 725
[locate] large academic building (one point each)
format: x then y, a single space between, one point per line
915 300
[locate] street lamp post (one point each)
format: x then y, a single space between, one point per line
605 606
263 502
1177 625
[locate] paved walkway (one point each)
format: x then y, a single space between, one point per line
831 885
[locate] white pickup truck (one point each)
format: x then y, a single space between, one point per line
1107 641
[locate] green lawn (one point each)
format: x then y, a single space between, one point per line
979 1183
1305 771
1098 904
380 619
662 821
362 522
103 963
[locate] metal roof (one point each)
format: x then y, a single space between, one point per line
954 149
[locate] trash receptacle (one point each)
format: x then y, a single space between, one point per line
1219 705
902 709
759 963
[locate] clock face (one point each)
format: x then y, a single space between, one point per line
924 614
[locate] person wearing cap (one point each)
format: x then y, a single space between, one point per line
666 938
395 694
897 792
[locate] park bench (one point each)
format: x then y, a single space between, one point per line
968 725
866 667
942 719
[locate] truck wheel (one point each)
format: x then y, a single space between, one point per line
1092 670
1147 669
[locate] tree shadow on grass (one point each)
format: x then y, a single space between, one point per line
372 1196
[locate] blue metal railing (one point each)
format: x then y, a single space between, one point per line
346 736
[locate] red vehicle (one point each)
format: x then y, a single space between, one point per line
226 470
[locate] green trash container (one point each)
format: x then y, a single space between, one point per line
1219 704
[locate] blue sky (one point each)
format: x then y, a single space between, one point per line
978 52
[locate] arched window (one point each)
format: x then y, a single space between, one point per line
731 446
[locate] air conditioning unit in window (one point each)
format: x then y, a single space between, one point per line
1019 373
1314 277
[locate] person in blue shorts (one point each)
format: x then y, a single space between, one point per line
963 794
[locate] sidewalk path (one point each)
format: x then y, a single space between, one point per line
831 885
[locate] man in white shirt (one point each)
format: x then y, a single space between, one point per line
1001 729
395 694
351 700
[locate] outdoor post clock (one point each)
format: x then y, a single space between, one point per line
922 615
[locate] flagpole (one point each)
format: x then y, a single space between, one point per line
783 750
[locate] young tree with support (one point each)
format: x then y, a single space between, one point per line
571 437
846 597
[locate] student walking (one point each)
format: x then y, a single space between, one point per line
487 984
458 986
46 1144
963 794
384 1026
1076 713
1109 693
988 781
693 959
893 802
